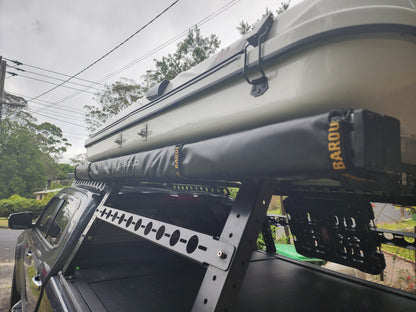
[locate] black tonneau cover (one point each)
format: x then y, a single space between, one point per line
339 142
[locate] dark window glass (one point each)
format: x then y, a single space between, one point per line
48 214
62 219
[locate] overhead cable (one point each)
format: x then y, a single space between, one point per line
57 85
155 50
65 121
50 77
106 54
43 102
18 63
177 37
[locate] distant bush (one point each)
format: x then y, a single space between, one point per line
17 203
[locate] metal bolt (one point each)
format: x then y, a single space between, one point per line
221 254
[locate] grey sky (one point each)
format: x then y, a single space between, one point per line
66 36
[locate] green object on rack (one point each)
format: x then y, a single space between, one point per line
290 252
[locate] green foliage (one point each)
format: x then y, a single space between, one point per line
22 168
283 7
80 159
407 225
4 223
260 240
48 197
17 203
233 191
191 51
28 152
64 169
111 101
244 27
50 139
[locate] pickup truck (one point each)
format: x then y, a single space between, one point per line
316 105
131 246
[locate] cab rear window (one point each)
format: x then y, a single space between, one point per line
56 217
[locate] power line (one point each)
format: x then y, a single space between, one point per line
158 48
60 110
50 77
39 102
68 122
18 63
109 52
55 114
168 42
44 81
79 134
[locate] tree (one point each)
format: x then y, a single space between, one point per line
28 152
283 7
191 51
244 27
22 168
80 159
50 139
14 109
111 101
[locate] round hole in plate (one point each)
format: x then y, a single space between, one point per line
160 232
114 216
121 218
192 244
174 238
138 224
409 240
388 236
129 221
148 228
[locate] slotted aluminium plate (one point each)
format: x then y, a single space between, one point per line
195 245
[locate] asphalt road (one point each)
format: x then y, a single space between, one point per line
7 244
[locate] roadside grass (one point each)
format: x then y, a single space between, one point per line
4 223
405 226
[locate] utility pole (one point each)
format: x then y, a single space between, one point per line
2 79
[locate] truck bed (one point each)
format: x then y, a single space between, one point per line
272 283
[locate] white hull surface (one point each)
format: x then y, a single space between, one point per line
319 56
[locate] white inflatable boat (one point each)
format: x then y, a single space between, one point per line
315 57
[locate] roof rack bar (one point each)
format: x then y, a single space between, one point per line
219 289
